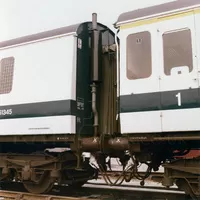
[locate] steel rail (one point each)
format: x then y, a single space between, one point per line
12 195
95 191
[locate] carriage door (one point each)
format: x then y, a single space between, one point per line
139 83
178 75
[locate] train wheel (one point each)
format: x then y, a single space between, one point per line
44 185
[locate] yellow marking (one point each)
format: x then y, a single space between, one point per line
159 19
197 11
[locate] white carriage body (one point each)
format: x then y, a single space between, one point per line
157 100
38 83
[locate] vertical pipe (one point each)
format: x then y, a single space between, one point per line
94 109
118 74
94 21
95 69
95 49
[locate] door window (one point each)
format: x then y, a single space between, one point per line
139 61
177 47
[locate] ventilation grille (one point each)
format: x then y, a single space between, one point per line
6 75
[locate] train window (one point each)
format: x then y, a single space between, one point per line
177 47
6 75
139 61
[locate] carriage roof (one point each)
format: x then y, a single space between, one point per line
167 8
75 29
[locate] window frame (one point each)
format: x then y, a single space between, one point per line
151 55
7 83
163 52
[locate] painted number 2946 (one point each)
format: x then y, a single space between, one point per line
178 96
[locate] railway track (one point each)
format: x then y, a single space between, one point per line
93 192
10 195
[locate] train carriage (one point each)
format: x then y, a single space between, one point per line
45 81
159 67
